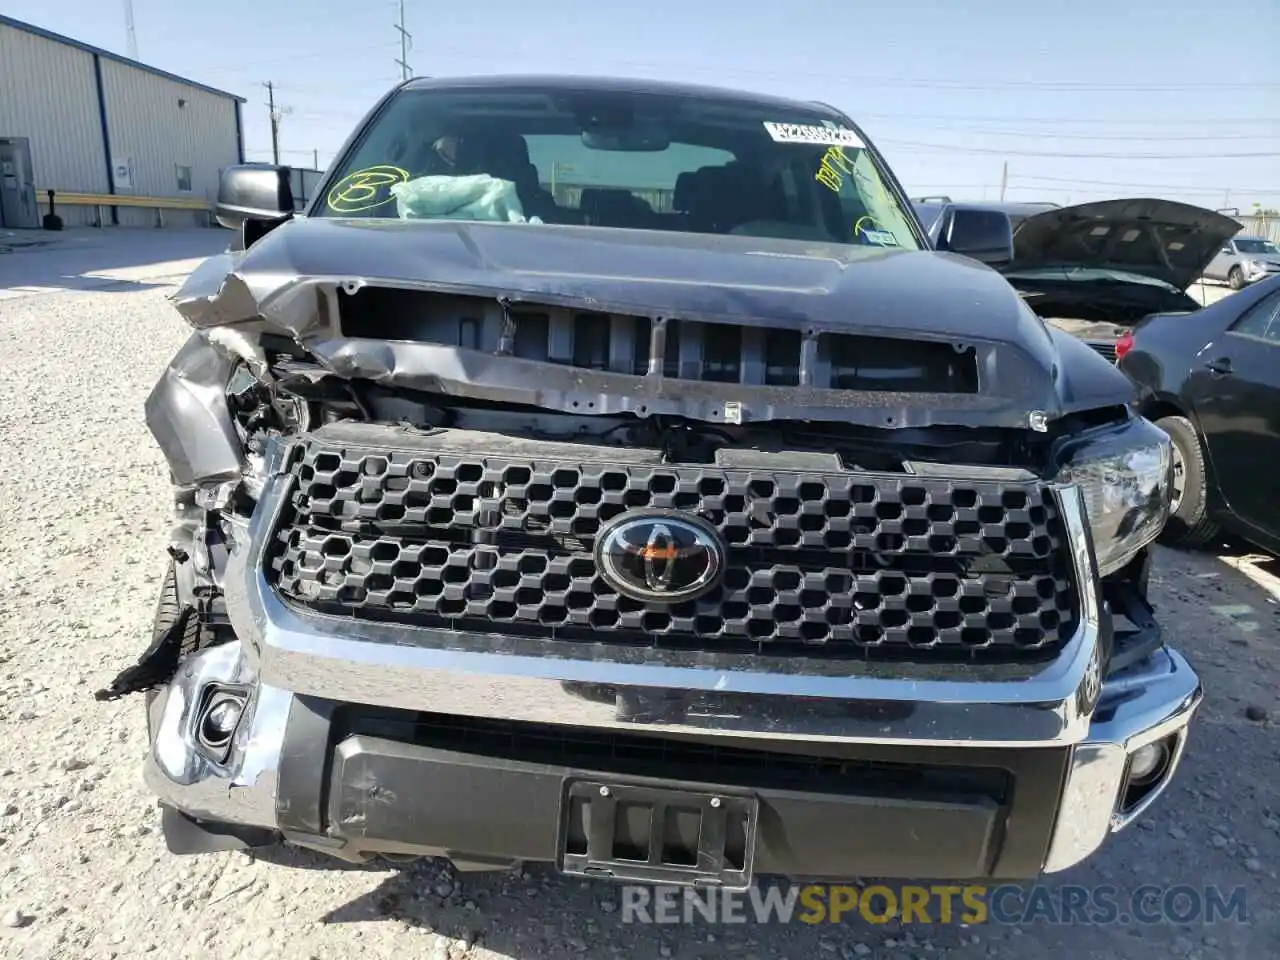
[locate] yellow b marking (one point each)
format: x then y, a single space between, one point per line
365 189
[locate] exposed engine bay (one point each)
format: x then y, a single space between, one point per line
253 383
1093 315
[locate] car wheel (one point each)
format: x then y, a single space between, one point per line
1189 523
1235 279
168 609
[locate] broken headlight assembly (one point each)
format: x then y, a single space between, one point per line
1125 475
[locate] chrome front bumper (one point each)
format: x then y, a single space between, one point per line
283 655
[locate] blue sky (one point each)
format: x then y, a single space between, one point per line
1089 100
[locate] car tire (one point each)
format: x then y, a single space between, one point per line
1189 522
168 610
1235 279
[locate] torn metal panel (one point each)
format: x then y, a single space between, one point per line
299 279
456 372
188 416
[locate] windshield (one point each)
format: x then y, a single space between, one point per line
610 159
1088 275
1256 246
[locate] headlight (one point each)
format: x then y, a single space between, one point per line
1124 476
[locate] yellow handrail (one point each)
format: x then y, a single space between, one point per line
74 198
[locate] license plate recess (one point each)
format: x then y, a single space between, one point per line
644 834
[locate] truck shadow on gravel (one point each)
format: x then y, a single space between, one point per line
537 914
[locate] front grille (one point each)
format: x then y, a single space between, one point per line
819 565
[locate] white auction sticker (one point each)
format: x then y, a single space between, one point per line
882 237
803 133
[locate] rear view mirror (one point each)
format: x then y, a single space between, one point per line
253 198
983 235
630 140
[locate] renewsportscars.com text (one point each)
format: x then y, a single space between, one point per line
934 904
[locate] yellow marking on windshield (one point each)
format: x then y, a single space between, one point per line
834 164
365 189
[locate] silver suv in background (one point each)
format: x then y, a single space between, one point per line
1244 260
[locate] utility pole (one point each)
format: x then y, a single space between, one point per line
129 30
406 44
1004 180
275 114
315 159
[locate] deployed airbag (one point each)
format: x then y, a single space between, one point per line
476 197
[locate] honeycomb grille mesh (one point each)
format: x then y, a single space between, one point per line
817 565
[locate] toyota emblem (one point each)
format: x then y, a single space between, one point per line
659 556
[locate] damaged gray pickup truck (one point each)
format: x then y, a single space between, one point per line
613 475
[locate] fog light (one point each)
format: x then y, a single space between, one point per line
1146 761
1147 773
218 721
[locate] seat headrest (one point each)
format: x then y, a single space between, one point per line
732 194
496 152
683 197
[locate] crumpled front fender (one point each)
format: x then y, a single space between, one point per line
187 413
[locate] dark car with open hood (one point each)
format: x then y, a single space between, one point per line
615 475
1096 269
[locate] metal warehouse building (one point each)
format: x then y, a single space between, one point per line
79 120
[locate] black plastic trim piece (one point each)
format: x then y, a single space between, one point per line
184 834
387 790
158 663
304 766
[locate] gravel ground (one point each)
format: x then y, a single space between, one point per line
84 872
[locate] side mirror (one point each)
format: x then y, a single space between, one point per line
254 198
984 235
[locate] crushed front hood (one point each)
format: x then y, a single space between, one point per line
294 281
1162 239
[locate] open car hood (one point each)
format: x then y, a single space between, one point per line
1161 239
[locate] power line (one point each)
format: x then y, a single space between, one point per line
1064 86
296 152
956 148
1041 135
315 55
1078 121
878 79
917 187
1072 181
